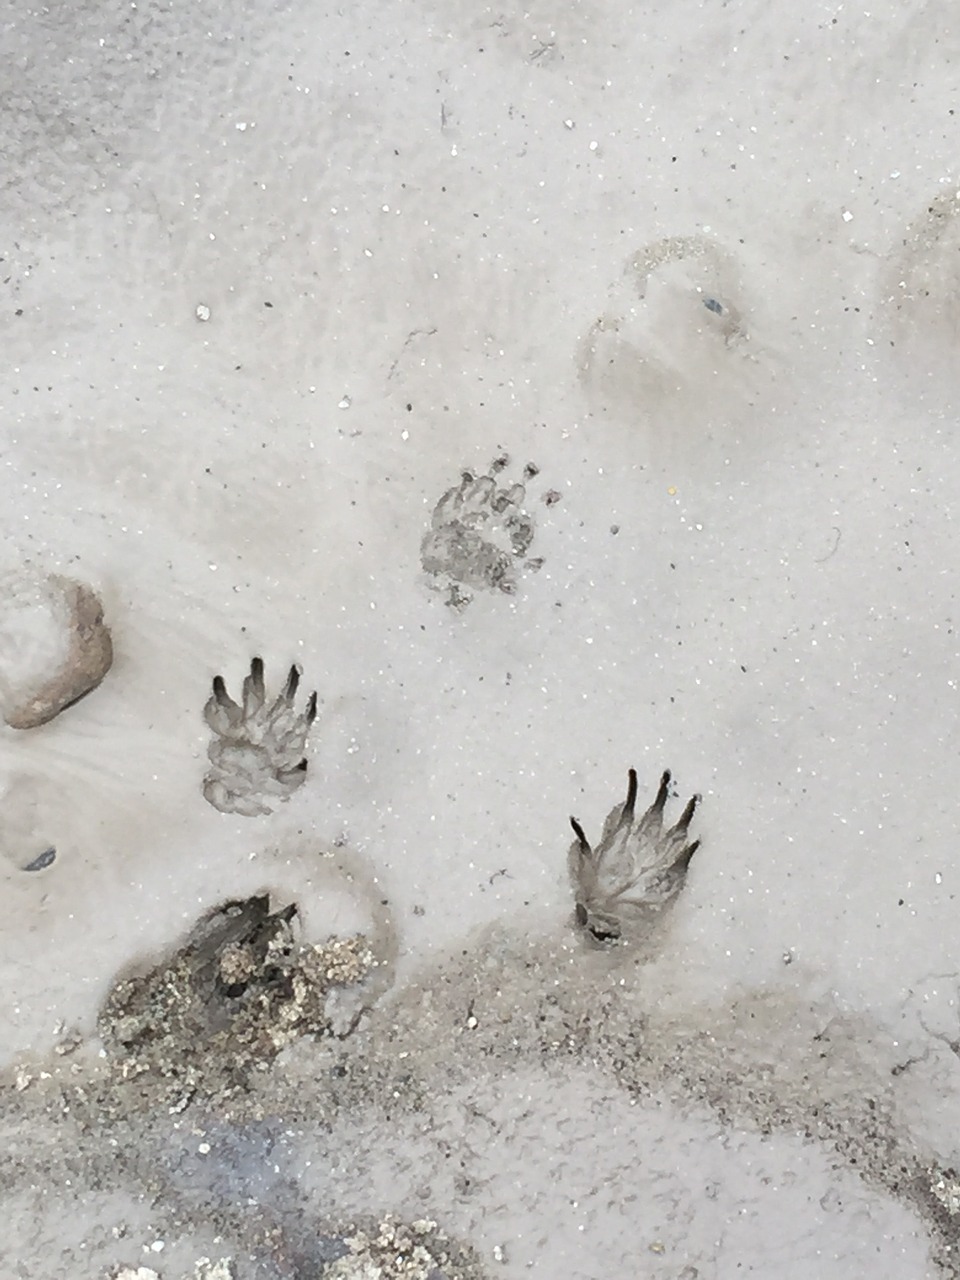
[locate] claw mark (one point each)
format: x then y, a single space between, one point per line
631 802
293 681
582 840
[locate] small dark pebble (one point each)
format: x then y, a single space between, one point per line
713 305
42 860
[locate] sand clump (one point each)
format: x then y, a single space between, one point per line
240 990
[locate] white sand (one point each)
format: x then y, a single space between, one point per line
425 234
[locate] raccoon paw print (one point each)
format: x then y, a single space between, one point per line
637 866
480 534
256 755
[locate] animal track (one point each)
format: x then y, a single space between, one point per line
256 755
636 866
480 534
673 334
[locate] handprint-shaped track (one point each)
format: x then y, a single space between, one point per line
256 755
480 534
636 865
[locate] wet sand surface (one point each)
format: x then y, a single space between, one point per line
556 392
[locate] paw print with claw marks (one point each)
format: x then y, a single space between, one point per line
256 755
480 534
637 867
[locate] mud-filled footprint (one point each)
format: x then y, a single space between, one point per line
480 534
673 332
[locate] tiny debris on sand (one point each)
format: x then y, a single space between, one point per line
395 1250
945 1186
207 1270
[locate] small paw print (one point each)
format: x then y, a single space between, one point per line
256 755
480 534
636 867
